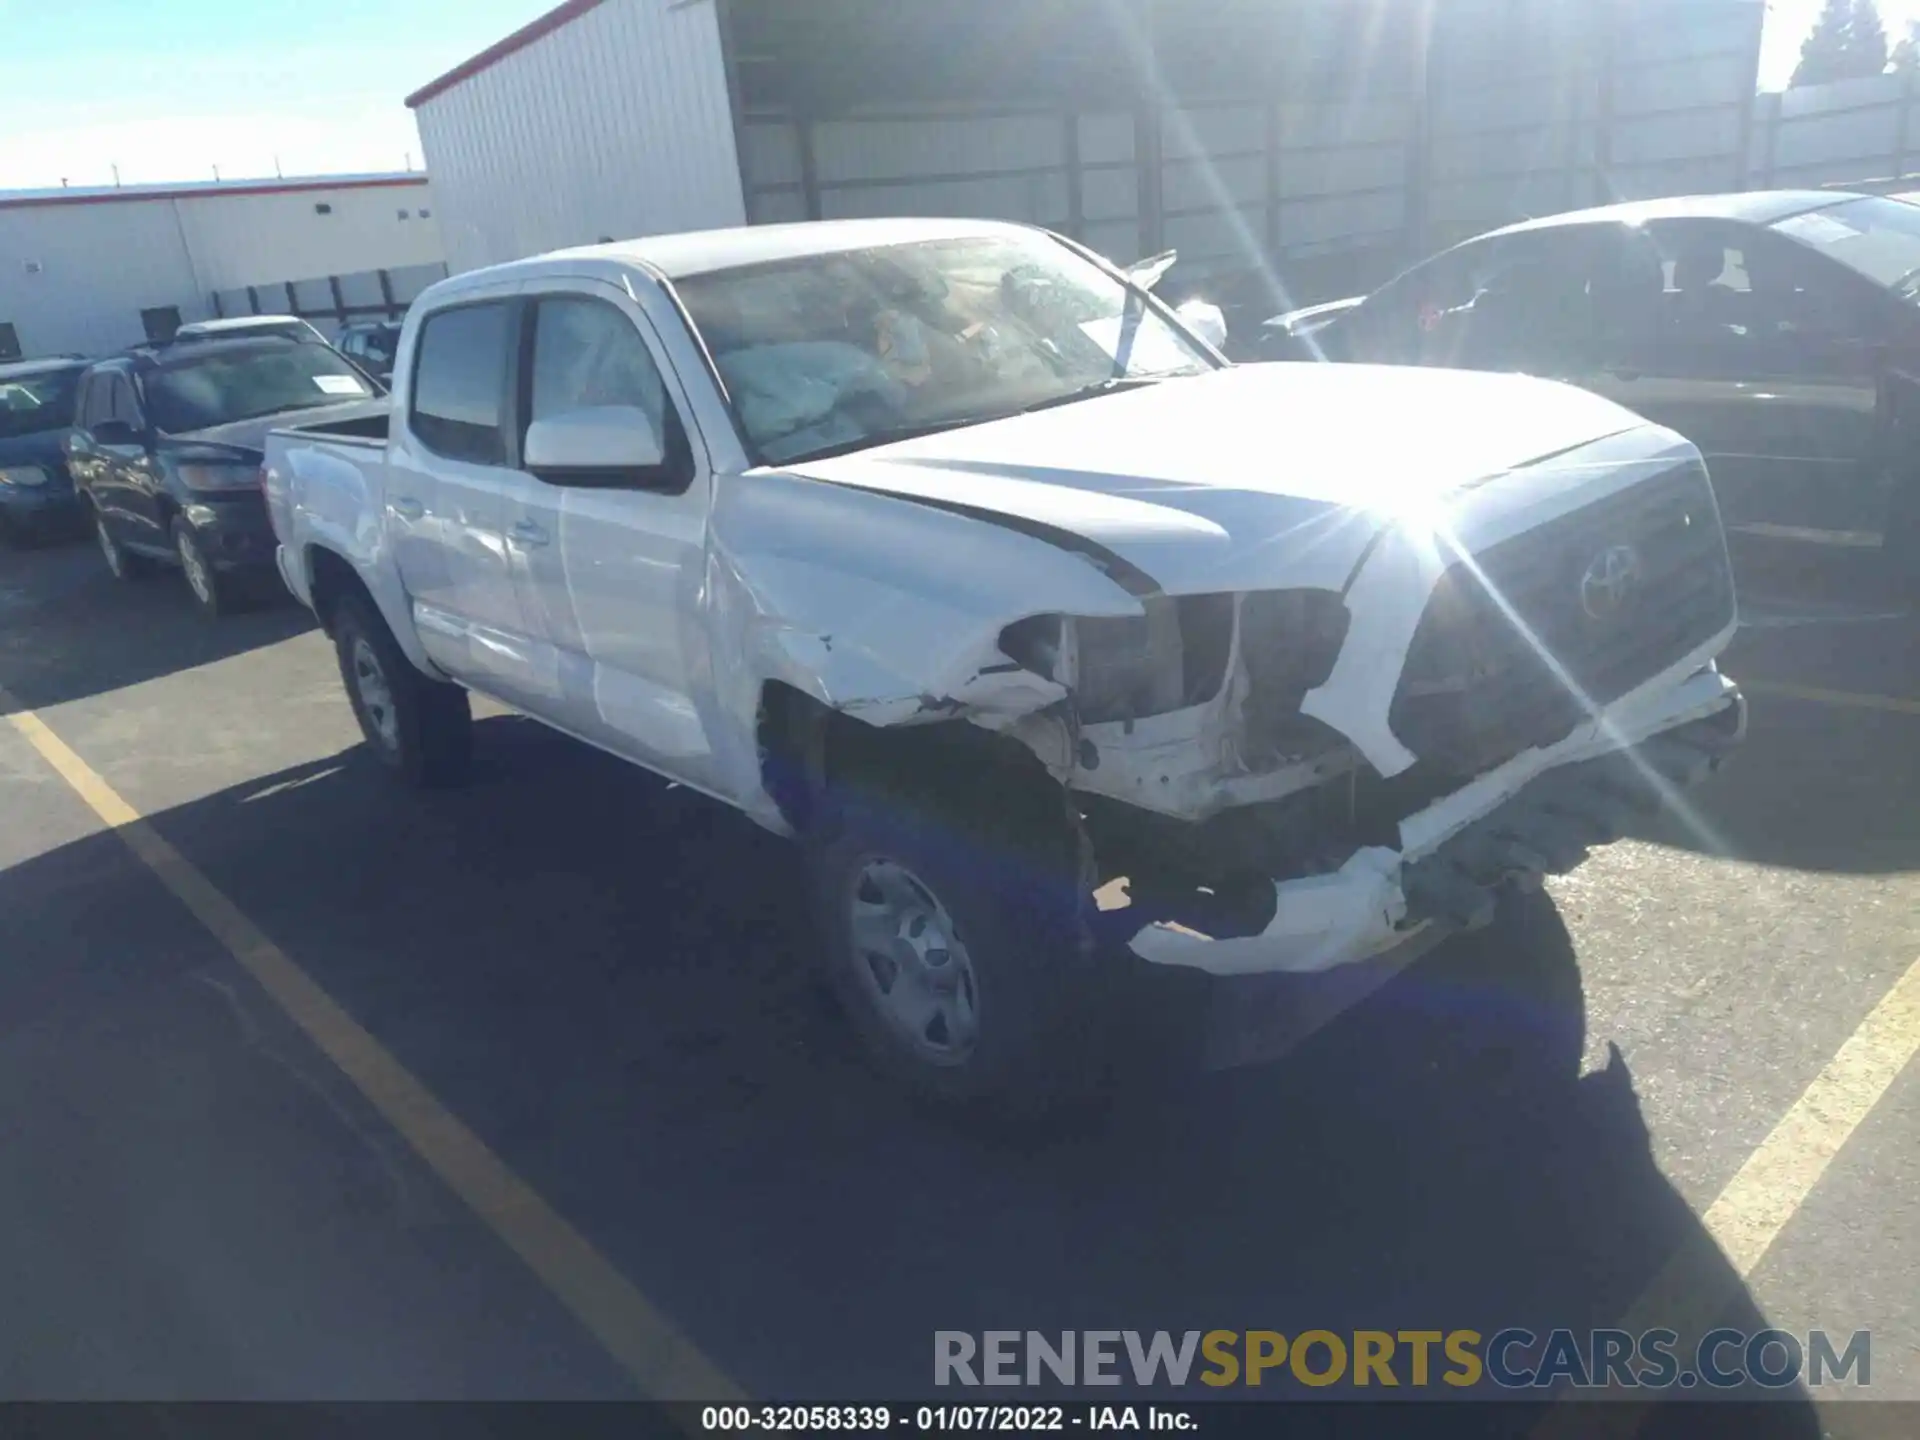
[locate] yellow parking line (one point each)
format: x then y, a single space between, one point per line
1691 1293
1777 1177
634 1331
1845 699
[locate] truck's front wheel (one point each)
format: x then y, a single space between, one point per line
956 941
419 728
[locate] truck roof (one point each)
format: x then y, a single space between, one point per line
700 252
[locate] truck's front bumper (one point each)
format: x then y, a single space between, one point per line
1537 815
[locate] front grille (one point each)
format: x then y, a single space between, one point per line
1514 647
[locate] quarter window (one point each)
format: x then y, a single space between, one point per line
459 383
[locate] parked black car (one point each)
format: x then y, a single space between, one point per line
1779 331
167 445
371 344
36 408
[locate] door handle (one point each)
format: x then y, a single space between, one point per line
528 533
408 508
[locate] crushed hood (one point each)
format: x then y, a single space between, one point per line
1247 478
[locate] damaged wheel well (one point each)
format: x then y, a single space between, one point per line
808 750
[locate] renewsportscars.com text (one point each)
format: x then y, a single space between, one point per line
1510 1359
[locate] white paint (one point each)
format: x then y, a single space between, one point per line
1322 921
614 125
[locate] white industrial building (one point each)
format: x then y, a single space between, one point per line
92 270
1293 133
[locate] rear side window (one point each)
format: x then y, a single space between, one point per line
459 383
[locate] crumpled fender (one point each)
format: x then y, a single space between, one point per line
880 607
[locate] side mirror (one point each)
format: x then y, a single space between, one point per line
1145 274
604 443
1206 320
115 432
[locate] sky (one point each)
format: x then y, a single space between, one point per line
170 89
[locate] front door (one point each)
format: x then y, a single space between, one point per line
612 572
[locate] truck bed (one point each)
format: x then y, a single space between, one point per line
359 427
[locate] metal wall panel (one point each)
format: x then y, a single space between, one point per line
241 240
616 124
76 277
98 262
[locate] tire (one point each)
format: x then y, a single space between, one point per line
420 729
974 907
214 594
122 564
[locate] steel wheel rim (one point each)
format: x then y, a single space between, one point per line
912 961
191 561
107 547
375 695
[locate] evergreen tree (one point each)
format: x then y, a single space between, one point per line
1847 42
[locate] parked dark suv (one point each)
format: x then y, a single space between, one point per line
166 451
36 407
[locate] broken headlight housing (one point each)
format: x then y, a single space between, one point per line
1130 667
1289 643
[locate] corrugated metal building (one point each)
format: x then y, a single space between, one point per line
1345 134
90 270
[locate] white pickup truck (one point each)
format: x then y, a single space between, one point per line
949 550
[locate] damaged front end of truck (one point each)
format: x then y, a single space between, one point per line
1294 779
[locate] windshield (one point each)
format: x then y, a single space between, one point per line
220 387
1878 237
30 404
829 353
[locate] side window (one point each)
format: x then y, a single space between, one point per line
459 383
1395 323
1748 300
588 355
83 411
123 405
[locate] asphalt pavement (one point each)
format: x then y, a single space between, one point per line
603 978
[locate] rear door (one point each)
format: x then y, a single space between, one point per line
449 487
611 570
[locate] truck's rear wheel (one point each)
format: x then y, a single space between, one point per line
421 729
955 939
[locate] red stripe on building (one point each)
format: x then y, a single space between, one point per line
555 18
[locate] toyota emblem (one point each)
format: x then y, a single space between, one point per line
1610 581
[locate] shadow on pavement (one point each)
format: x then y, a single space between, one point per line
68 630
607 978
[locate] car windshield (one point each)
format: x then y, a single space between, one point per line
1877 236
830 353
218 387
30 404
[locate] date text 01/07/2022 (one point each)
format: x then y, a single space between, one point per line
935 1419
